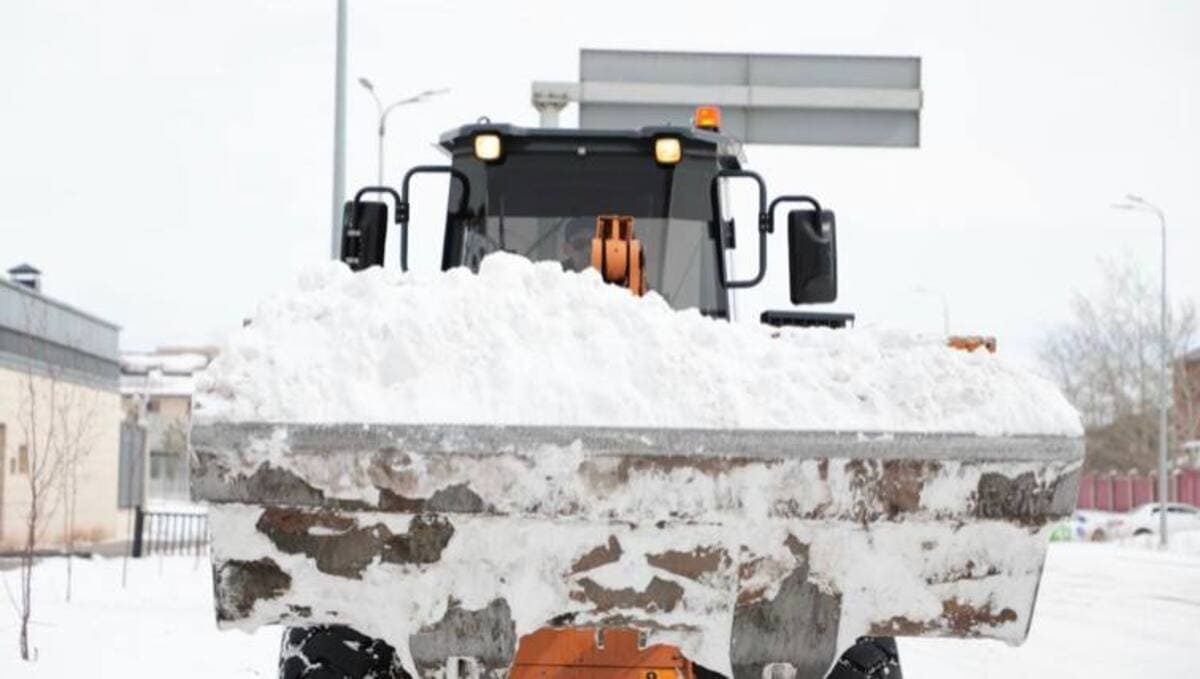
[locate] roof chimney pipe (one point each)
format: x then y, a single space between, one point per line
24 274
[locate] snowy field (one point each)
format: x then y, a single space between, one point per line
1103 611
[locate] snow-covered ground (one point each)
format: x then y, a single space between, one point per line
160 624
1104 610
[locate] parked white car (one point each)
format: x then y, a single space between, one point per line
1144 520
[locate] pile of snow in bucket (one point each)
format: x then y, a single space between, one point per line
527 343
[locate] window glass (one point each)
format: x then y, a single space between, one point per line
680 256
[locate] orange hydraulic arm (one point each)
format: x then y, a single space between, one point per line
617 254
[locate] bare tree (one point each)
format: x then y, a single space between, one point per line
43 468
75 422
57 419
1107 359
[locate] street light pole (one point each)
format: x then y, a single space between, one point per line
1140 204
339 133
383 112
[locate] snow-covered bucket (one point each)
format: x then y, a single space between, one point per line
743 548
748 494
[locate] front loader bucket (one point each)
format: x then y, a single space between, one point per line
741 548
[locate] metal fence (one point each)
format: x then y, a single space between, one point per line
169 533
1122 492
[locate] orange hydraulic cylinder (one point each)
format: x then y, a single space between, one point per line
617 254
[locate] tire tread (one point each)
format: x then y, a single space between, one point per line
336 652
869 658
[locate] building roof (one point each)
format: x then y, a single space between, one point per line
169 363
72 310
43 333
165 372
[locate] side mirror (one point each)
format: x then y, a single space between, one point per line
812 256
364 233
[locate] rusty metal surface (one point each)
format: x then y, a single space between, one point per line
743 548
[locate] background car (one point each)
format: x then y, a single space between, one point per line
1144 520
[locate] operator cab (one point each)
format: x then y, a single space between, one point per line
546 193
542 191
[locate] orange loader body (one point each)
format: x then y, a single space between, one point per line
596 653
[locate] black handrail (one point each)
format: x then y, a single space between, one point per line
402 208
765 226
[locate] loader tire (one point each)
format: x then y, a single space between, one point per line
336 652
869 658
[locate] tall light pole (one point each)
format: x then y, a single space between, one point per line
1139 204
339 132
945 306
383 112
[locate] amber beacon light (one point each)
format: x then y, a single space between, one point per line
707 118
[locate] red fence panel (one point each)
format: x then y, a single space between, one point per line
1122 492
1143 489
1104 494
1087 492
1189 487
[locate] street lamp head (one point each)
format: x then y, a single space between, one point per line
367 84
1139 204
423 95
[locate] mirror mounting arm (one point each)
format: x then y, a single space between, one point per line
779 200
379 189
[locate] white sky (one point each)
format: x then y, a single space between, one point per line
168 163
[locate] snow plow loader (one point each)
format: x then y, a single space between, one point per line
556 552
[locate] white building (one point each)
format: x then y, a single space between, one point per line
60 419
156 392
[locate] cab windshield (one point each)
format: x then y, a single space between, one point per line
680 257
542 202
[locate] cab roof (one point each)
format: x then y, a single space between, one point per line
728 150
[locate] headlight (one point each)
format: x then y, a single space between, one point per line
487 147
667 150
